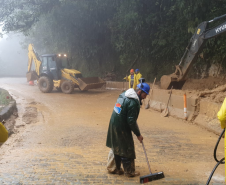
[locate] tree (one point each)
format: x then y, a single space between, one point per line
103 35
22 15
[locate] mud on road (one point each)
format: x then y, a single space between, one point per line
64 142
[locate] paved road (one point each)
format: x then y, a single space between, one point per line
64 139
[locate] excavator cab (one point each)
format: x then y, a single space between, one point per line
51 66
62 61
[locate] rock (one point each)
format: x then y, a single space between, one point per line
215 70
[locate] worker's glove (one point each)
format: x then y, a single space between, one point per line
140 138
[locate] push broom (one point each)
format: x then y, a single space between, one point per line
151 176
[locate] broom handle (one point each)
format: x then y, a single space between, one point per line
146 157
153 84
151 89
169 96
123 85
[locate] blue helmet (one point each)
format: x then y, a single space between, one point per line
137 70
144 87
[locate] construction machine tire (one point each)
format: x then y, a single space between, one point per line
67 87
45 84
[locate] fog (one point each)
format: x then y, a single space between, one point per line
13 58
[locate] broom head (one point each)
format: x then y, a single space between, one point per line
151 177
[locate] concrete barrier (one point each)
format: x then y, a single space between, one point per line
203 113
159 99
117 85
121 85
8 110
207 116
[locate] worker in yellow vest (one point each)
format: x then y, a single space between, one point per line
132 79
222 118
138 75
3 133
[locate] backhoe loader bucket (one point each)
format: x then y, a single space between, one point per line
90 83
31 76
168 81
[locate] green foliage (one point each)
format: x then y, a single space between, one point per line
107 35
22 15
4 98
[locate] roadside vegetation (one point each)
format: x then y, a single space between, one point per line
109 35
4 98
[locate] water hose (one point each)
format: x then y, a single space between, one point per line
215 157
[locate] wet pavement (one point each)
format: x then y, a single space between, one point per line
60 139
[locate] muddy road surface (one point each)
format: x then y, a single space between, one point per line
60 139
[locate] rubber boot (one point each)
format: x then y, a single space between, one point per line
118 169
129 167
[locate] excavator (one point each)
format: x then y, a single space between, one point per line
194 48
51 71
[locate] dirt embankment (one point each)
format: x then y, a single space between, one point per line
204 84
211 88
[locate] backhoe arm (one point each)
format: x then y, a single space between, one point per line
32 56
195 46
220 29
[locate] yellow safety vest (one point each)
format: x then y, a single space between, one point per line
134 82
138 75
3 133
221 115
222 118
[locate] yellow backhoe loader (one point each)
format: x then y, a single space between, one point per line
51 71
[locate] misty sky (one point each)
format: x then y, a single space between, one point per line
13 58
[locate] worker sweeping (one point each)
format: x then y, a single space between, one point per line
138 75
3 133
122 124
132 80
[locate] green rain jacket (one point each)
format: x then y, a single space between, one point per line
122 122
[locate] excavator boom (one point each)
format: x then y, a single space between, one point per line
195 46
